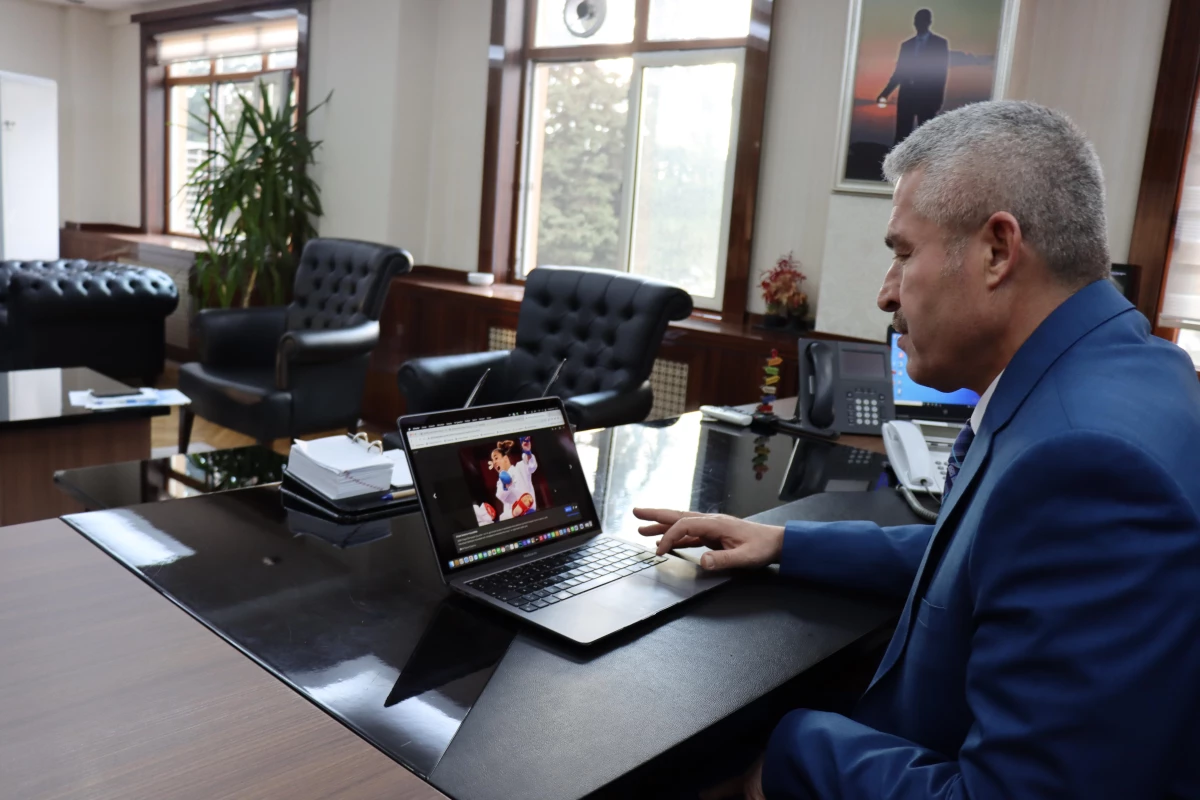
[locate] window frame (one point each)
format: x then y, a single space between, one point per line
650 59
510 57
154 179
213 79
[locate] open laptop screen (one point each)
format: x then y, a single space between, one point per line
497 479
916 402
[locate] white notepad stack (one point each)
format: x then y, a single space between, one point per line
339 467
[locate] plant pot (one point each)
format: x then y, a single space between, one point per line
781 322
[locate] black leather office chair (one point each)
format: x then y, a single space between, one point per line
297 369
607 325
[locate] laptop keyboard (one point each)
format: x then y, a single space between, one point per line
547 581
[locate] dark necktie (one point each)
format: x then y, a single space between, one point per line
958 454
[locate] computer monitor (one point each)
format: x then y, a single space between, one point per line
916 402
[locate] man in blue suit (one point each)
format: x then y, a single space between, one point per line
1049 646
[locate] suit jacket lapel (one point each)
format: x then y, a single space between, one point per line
1080 314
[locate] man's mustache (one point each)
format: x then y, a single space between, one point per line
900 323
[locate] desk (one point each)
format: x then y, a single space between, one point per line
40 432
110 691
469 699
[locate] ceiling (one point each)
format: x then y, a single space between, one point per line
101 5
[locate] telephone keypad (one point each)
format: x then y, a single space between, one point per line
862 407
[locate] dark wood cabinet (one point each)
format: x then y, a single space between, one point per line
435 312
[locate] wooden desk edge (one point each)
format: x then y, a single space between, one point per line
111 691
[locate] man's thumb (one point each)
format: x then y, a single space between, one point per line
719 559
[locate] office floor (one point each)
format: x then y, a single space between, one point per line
164 431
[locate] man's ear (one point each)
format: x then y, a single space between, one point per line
1002 239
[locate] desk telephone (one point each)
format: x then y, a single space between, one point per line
845 387
916 466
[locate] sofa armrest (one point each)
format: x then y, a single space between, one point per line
437 383
239 337
609 408
322 347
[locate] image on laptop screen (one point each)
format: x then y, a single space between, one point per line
499 481
914 401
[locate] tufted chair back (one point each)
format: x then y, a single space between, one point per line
340 283
606 324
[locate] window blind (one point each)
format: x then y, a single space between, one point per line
1181 299
228 40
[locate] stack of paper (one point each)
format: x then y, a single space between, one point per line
338 467
83 398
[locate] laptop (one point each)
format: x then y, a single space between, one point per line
938 415
513 524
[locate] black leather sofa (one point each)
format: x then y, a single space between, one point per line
287 371
70 313
607 326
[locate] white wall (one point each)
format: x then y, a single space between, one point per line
455 189
402 158
98 157
124 155
403 135
1096 60
354 54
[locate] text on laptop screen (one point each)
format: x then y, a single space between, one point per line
496 484
907 392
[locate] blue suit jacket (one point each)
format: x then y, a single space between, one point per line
1050 643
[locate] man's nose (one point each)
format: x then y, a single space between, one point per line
889 292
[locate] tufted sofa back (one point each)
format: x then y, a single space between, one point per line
340 283
608 325
67 288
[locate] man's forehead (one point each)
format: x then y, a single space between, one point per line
905 223
898 225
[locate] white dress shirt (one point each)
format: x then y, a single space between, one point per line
981 406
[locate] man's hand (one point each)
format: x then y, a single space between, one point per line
735 542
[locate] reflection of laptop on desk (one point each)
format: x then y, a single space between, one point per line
513 525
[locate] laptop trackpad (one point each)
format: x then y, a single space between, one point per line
617 605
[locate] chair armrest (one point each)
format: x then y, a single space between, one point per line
239 337
609 408
440 382
323 347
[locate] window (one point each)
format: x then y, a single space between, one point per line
632 137
221 66
1181 298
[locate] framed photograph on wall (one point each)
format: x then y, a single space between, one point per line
908 61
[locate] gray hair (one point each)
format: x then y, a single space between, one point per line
1018 157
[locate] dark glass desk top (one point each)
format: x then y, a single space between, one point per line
134 482
40 396
360 622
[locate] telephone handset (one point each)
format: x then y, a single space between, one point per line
845 387
916 466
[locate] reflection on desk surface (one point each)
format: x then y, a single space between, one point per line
33 395
132 482
714 468
371 633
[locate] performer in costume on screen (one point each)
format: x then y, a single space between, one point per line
514 486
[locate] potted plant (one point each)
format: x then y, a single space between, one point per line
783 290
255 203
